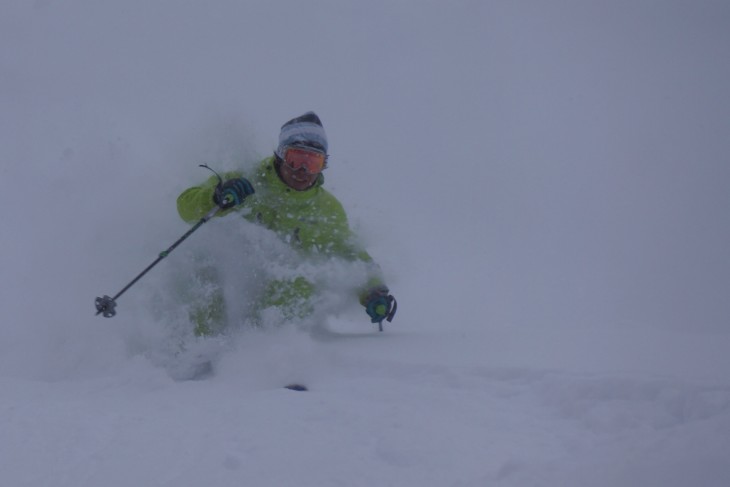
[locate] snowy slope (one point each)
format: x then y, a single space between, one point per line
406 408
544 185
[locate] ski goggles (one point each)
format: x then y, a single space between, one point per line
311 160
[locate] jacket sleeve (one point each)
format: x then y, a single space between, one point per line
338 238
346 246
194 203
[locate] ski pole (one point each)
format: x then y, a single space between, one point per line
106 304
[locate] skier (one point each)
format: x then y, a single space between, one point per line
285 194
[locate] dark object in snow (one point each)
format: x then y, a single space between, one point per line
296 387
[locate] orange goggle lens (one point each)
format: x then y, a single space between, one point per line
297 158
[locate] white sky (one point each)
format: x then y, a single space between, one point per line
523 163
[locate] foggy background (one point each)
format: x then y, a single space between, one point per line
509 164
544 183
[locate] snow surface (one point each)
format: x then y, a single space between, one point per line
545 185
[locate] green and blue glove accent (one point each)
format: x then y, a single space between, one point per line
232 193
379 304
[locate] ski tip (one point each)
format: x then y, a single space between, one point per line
296 387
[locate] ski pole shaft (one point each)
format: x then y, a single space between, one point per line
106 304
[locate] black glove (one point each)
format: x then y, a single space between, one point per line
379 304
232 193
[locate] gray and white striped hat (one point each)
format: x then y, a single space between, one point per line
305 130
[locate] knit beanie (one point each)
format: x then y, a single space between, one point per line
305 130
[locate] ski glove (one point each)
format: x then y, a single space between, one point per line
232 193
379 304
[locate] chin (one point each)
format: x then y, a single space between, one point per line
304 183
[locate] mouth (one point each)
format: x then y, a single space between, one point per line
302 176
300 179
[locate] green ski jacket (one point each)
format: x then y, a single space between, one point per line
313 221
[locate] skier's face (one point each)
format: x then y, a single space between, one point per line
301 167
297 179
298 157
